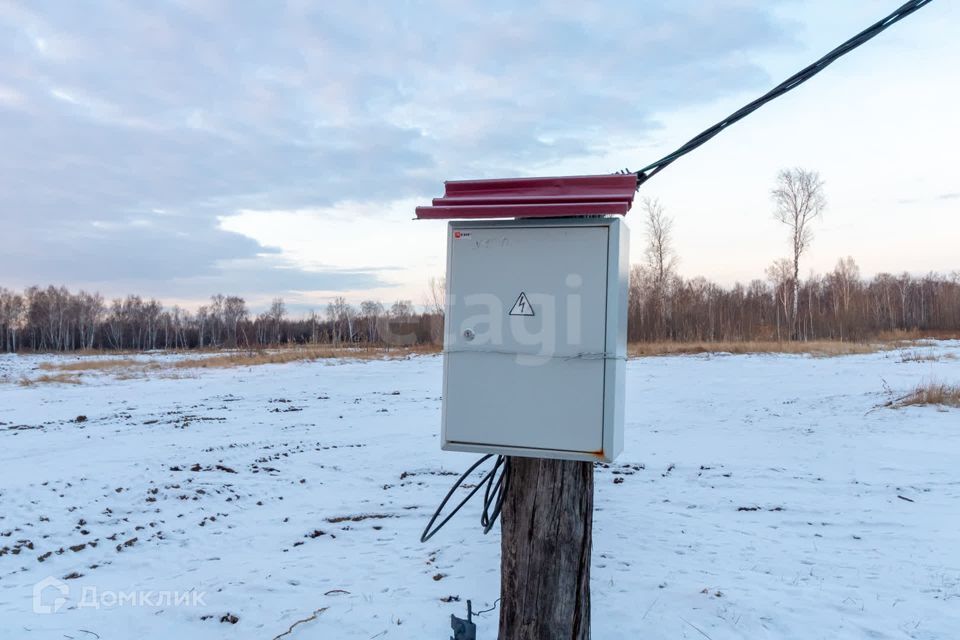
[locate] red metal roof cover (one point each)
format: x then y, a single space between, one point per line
534 197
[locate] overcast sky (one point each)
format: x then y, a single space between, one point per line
261 148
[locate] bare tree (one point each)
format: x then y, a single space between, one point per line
341 316
436 305
372 311
798 200
844 280
177 318
151 320
661 257
437 295
640 289
12 316
203 323
780 277
313 322
215 317
115 321
234 313
846 275
91 310
276 314
401 310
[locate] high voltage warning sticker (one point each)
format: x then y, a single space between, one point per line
522 306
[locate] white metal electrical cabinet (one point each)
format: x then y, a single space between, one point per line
535 337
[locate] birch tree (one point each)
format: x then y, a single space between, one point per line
12 315
799 200
278 310
234 313
779 274
341 315
372 311
661 258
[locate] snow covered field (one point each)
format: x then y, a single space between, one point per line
757 497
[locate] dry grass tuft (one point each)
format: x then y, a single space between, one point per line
56 378
886 341
96 364
127 368
930 393
823 348
130 374
283 356
922 356
914 335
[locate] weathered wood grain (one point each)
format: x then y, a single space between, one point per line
546 525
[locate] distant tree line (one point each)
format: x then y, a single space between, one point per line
839 305
55 319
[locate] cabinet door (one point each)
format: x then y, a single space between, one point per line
525 337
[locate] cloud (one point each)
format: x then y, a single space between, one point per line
201 110
265 276
105 251
951 195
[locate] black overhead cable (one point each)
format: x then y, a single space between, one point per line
495 487
790 83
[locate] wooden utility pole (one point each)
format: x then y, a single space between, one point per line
546 525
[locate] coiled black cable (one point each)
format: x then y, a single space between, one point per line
493 495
